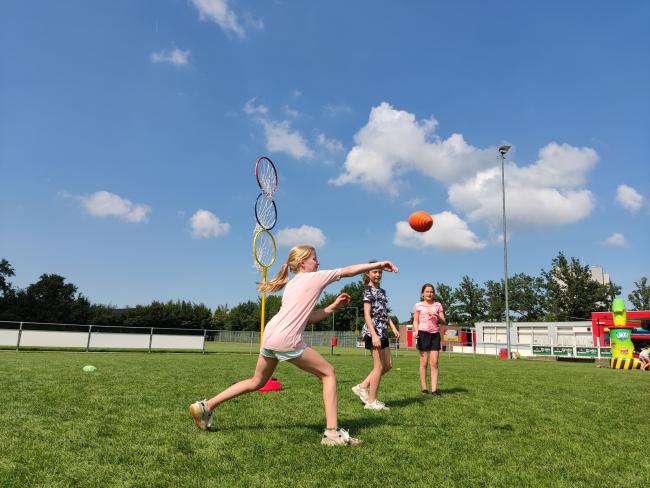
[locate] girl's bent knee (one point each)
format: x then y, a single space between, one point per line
328 373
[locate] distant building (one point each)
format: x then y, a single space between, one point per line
598 274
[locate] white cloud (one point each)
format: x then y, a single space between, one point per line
545 193
413 202
394 142
304 234
331 145
615 240
252 22
219 12
449 232
629 198
280 137
291 112
175 57
332 110
107 204
251 109
206 224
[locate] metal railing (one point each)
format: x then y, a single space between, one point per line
24 335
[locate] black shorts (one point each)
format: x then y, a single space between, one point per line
428 341
368 341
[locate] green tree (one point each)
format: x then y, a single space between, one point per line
640 297
570 293
471 301
170 315
6 271
526 297
220 317
350 317
51 299
271 307
244 316
445 295
495 301
326 324
106 315
8 299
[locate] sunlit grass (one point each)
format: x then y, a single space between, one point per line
499 423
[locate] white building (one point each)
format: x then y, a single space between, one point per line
598 274
491 336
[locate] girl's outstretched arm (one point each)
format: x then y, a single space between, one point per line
320 313
356 269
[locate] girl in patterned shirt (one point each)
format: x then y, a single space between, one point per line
375 335
282 339
427 317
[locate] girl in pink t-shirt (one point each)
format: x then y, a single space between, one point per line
283 336
428 315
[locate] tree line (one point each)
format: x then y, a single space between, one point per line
565 292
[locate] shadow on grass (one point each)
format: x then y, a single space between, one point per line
352 424
402 402
358 424
453 391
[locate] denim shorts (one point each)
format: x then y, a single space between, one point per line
281 355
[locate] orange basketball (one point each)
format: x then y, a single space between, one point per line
420 221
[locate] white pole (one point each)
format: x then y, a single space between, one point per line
503 150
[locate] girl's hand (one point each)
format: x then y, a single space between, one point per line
388 266
415 335
342 299
396 333
376 341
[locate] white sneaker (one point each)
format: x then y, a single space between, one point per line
342 438
362 393
376 405
201 414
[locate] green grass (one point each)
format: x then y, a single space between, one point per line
525 423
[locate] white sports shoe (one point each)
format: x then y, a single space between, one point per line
362 393
376 405
342 438
201 414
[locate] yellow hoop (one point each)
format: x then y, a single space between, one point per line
257 234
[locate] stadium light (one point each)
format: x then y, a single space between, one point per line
502 151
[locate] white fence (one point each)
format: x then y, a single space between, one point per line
96 337
93 337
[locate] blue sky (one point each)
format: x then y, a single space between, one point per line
129 133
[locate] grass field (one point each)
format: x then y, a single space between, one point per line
499 423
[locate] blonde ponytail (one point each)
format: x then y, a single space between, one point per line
296 256
277 282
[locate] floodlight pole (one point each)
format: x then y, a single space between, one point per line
502 151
